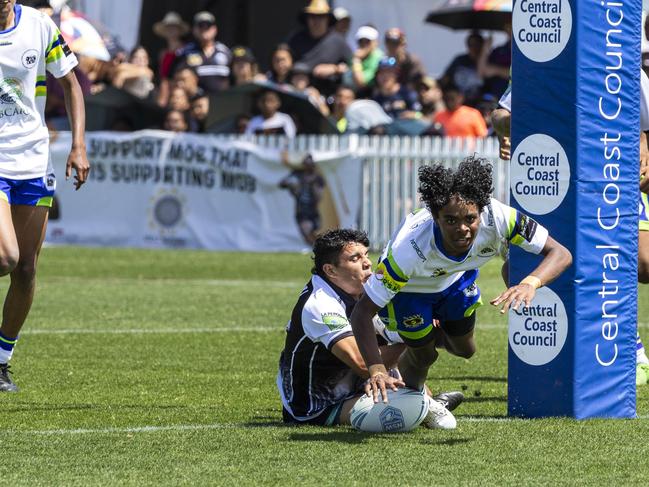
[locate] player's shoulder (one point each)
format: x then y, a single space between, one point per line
34 16
411 244
323 298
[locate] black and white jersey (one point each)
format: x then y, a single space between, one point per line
310 376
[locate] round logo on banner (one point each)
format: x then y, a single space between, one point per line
539 174
541 28
537 333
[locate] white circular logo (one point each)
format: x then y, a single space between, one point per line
539 174
537 333
29 58
541 28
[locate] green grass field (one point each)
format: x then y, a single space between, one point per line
158 368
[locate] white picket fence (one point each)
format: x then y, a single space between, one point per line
390 165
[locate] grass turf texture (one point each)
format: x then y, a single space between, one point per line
158 367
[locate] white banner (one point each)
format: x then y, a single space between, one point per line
159 189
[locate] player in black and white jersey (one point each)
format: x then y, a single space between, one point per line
321 372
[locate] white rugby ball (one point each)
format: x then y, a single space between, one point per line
405 410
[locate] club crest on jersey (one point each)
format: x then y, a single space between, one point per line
471 291
414 321
11 90
29 58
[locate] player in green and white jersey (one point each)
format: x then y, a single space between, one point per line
424 286
30 45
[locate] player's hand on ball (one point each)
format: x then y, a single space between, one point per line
381 382
78 160
514 297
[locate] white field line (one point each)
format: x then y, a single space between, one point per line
185 331
297 285
217 426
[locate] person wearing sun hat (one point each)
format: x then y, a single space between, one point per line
320 47
171 28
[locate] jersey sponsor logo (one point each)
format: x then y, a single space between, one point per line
50 182
5 43
334 321
64 45
391 419
414 321
438 272
11 91
490 216
389 282
418 250
29 58
527 227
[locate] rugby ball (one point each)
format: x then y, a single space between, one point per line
404 411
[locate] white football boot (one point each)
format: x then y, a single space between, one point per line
438 416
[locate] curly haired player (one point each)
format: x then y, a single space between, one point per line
424 286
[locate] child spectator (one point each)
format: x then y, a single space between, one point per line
342 99
187 79
458 119
281 65
271 120
396 100
178 100
301 82
244 67
175 121
200 108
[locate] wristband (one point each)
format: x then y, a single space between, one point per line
533 281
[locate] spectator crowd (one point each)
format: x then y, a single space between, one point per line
315 64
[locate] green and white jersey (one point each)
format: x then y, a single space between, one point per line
33 45
414 260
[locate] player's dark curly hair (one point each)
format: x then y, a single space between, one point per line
472 182
329 245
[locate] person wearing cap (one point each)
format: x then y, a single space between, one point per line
171 28
366 57
320 47
208 57
343 20
397 100
244 68
411 70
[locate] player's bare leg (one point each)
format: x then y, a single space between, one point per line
30 223
8 243
414 364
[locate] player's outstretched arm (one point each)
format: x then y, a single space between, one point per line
361 321
78 159
556 259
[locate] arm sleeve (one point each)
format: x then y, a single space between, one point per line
518 228
59 59
324 320
506 100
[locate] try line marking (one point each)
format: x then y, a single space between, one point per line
217 426
186 331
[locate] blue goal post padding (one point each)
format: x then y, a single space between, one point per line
574 169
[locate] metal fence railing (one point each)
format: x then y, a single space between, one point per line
390 165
